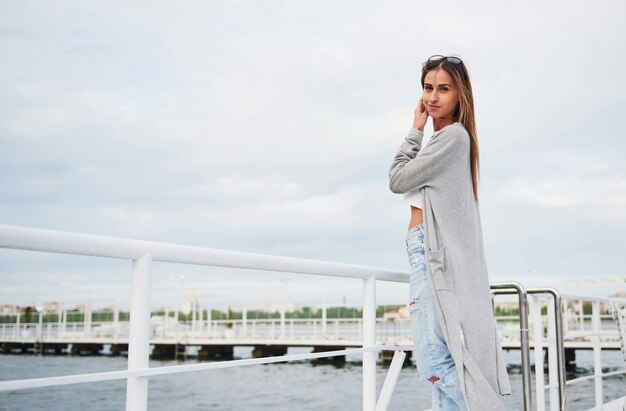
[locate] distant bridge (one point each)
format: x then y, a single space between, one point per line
170 338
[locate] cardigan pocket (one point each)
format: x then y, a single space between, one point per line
436 263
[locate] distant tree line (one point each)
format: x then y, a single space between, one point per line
72 316
32 316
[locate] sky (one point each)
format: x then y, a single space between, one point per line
269 127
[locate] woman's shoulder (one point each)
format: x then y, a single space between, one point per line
458 128
453 128
455 131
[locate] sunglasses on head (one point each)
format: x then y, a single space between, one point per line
439 57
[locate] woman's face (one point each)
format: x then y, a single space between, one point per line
439 95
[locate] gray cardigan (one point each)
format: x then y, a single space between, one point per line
456 258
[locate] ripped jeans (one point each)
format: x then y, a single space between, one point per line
432 357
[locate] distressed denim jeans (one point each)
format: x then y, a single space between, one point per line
432 357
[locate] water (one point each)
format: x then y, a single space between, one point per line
281 387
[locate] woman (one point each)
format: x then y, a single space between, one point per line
456 342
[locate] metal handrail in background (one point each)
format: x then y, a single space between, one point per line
524 332
517 288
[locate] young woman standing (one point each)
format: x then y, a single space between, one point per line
457 345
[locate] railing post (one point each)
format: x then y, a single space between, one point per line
390 381
597 352
553 364
324 319
369 340
40 327
193 315
244 322
139 334
60 309
200 318
560 344
523 310
63 321
535 312
209 323
282 321
86 320
116 323
581 316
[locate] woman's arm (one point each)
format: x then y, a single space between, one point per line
409 170
409 148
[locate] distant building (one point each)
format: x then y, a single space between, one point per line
8 309
81 308
400 313
52 306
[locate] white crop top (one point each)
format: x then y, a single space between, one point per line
414 197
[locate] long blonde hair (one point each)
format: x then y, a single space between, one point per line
464 112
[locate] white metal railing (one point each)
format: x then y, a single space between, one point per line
546 335
595 335
555 342
144 253
294 329
299 330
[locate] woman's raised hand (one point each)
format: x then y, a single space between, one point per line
421 115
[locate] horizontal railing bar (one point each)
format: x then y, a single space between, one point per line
573 335
175 369
37 239
599 298
298 322
580 297
593 376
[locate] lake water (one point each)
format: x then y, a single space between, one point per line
281 387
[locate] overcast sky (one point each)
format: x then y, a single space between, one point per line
269 127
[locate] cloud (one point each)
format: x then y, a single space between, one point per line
269 206
270 127
595 191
